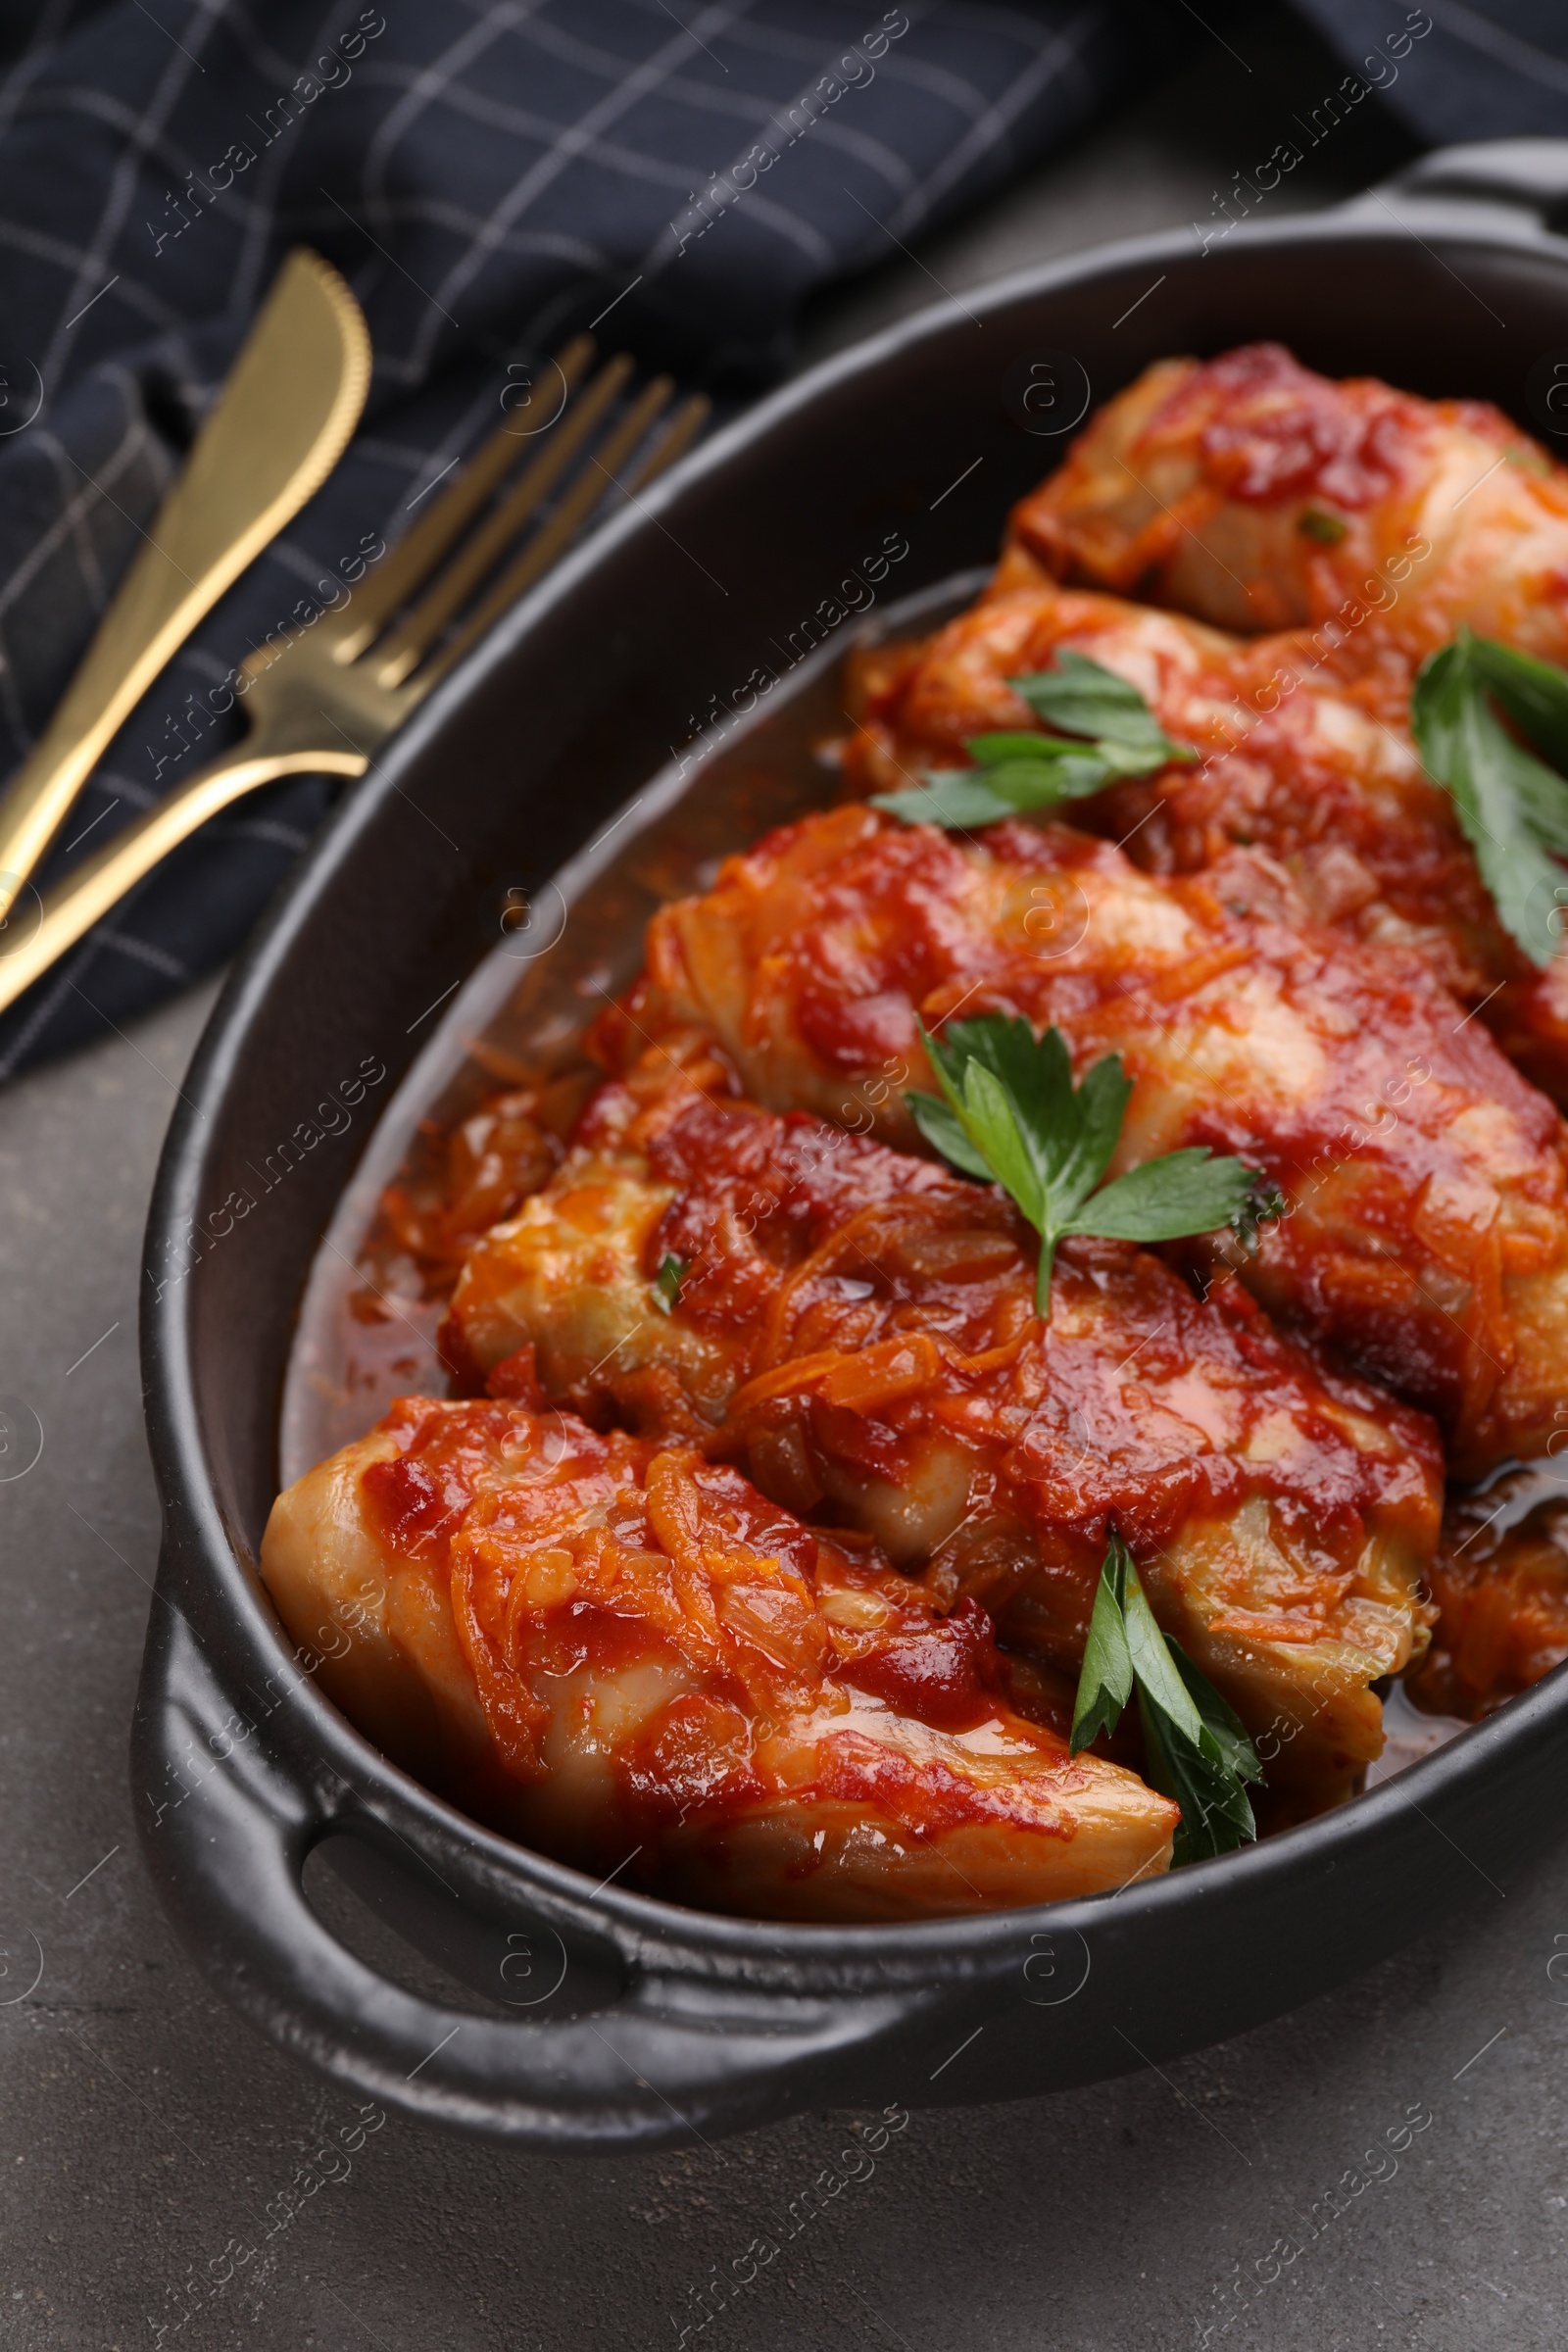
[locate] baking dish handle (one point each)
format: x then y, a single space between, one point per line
1529 175
226 1827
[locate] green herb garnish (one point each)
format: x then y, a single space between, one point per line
1327 529
1533 694
1010 1113
1197 1748
1107 730
667 1283
1513 806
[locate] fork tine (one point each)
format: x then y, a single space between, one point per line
548 542
405 570
575 503
679 434
450 590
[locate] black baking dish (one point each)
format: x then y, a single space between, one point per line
627 2019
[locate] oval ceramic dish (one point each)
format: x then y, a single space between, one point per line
626 2020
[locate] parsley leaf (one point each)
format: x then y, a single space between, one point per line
1015 771
672 1272
1082 698
962 799
1327 529
1512 807
1533 694
1008 1110
1196 1748
1105 1682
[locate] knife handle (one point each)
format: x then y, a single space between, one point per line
278 427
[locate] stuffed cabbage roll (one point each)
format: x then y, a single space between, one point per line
1253 493
1318 775
621 1653
1425 1238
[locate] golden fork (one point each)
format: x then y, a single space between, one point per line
325 702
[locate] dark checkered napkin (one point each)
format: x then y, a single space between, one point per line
489 175
1459 69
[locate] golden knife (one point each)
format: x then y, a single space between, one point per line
279 426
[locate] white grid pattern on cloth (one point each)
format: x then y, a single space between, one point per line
44 247
514 158
564 150
1507 48
142 951
109 784
94 270
78 498
431 83
39 50
1057 55
1497 71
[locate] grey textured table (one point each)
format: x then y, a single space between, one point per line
145 2130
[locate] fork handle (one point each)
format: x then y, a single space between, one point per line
101 881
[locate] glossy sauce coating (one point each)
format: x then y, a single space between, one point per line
620 1651
1253 493
1500 1583
858 1327
597 1639
1317 772
1427 1239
